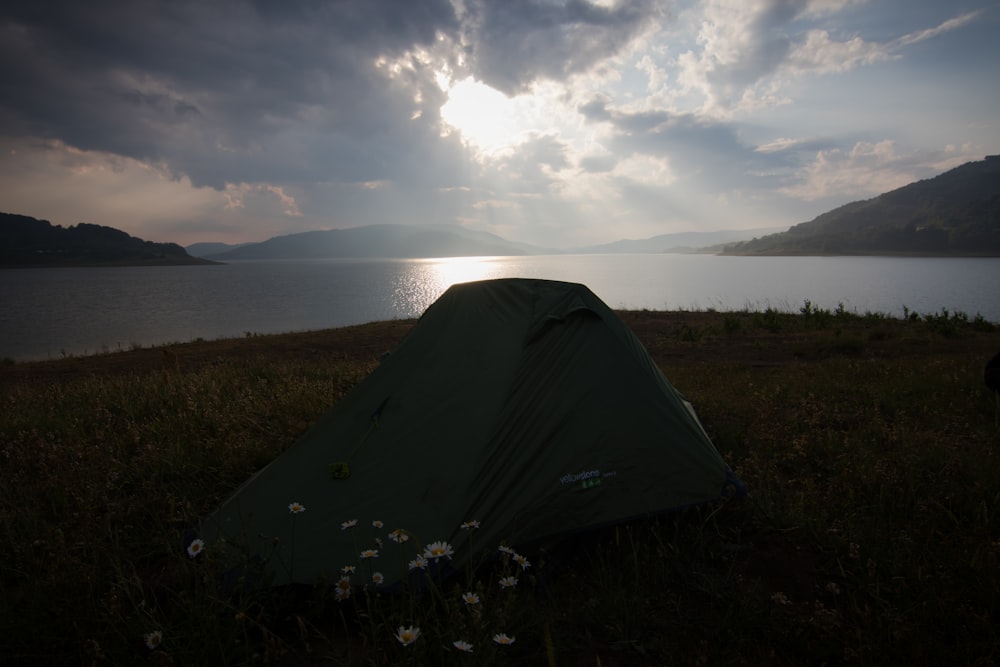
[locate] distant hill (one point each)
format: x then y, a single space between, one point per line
27 241
377 241
680 242
206 249
956 213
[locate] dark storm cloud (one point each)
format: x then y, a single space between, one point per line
220 91
273 91
514 42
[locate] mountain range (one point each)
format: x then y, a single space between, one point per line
378 241
410 241
956 213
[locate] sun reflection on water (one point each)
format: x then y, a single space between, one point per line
450 271
425 280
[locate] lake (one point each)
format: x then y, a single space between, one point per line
54 312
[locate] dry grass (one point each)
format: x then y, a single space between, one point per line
869 445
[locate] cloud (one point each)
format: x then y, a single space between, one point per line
739 42
236 196
202 86
694 144
818 53
780 144
868 169
51 180
748 50
259 117
511 44
950 24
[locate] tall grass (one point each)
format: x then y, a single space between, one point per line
870 536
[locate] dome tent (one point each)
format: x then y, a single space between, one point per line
525 405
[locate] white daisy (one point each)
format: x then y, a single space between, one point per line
407 636
437 550
153 639
195 548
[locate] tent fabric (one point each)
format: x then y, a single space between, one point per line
526 405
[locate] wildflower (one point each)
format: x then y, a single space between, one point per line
398 536
503 639
369 553
418 562
350 523
470 598
780 598
407 636
348 569
508 582
379 542
463 646
296 507
342 590
195 548
470 525
153 639
506 550
376 523
377 578
522 561
436 550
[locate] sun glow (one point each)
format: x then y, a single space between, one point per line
486 118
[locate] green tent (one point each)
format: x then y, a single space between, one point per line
524 405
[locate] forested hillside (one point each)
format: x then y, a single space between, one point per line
26 241
955 213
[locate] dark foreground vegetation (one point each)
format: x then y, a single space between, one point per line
869 444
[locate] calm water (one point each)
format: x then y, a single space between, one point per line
48 313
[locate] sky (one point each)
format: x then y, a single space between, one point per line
559 123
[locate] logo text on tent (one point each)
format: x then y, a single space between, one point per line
587 479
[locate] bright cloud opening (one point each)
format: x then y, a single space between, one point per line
485 117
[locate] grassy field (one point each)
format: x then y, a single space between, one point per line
871 535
